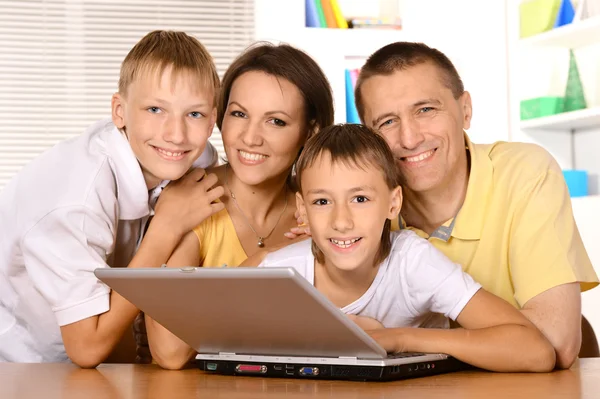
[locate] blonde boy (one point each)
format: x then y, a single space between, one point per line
390 283
86 203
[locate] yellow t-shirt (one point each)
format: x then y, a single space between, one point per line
515 233
219 243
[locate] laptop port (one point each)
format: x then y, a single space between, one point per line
251 368
211 366
308 371
277 367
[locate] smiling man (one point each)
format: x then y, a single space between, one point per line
501 210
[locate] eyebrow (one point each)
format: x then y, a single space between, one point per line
163 102
266 113
419 103
351 191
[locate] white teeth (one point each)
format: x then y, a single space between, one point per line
251 156
169 153
344 243
420 157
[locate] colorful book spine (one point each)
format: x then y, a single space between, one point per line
339 18
329 15
351 112
319 7
312 17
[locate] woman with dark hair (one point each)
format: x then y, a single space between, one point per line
273 98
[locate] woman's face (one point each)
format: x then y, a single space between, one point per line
264 127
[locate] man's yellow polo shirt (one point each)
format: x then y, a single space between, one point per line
515 233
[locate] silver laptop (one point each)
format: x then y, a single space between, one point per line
264 322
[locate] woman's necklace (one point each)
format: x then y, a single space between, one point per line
261 239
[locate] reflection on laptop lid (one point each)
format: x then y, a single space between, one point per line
267 322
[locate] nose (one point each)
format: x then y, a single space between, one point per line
175 130
252 135
341 218
410 136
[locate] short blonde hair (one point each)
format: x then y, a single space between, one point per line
161 49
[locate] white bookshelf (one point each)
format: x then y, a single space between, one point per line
334 49
583 119
576 35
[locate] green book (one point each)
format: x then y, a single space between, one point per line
574 96
320 13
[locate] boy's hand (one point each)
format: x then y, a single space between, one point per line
390 339
366 323
185 203
302 228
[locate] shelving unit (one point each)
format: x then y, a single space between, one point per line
576 35
584 119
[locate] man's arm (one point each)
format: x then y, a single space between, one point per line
495 337
182 205
557 314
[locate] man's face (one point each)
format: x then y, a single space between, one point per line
168 120
421 121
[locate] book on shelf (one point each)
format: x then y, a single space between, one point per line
329 14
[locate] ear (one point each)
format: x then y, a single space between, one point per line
301 207
118 110
467 109
395 203
213 120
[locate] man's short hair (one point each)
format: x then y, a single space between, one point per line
402 55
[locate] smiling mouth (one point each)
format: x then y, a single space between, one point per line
419 157
175 155
251 156
344 243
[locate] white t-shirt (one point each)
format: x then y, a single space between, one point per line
81 205
414 286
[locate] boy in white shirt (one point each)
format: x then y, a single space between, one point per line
391 282
86 203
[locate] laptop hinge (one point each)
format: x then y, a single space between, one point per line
348 357
226 354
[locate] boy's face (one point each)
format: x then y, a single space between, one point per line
168 120
346 208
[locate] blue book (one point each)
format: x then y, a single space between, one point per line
312 17
565 15
351 112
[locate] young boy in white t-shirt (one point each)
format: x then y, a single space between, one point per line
86 203
389 283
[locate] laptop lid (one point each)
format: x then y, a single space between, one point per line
271 311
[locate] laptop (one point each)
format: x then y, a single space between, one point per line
267 322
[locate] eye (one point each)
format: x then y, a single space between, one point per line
238 114
154 110
386 123
360 199
425 110
196 115
320 202
277 122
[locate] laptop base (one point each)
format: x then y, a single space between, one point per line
331 372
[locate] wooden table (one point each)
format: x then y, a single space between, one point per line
48 381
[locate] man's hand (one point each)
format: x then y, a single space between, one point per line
302 229
185 203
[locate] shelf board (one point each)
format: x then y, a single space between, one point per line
575 35
588 118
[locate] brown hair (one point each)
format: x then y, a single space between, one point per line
292 64
161 49
401 55
357 146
